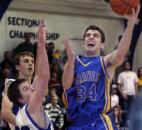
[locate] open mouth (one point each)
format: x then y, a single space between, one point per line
30 68
91 45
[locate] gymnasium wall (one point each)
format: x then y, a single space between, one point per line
59 27
137 62
60 23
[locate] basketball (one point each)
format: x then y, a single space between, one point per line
123 7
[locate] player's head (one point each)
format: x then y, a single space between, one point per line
94 38
25 64
19 92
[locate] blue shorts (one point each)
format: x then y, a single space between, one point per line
105 122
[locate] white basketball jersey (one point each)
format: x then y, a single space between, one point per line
25 122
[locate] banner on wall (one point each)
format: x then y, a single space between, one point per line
59 27
17 26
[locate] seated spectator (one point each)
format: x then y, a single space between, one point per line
118 126
55 67
5 73
8 60
55 83
55 112
57 56
117 114
114 96
50 50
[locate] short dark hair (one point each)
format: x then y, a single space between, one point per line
14 93
94 27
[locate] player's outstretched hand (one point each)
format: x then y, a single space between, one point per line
133 18
41 34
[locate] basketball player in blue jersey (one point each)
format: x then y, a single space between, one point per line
87 79
31 115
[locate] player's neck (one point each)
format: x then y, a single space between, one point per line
28 78
91 54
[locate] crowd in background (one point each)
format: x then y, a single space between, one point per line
125 86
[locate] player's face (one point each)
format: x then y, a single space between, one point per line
26 66
92 42
26 91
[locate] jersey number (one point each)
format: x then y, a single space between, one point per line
83 94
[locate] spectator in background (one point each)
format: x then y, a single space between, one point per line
51 92
24 46
63 59
114 96
139 73
57 56
54 80
64 56
8 60
127 84
55 112
118 126
50 50
55 67
4 73
117 114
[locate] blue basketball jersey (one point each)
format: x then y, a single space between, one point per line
88 99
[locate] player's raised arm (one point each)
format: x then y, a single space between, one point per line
116 58
68 74
6 110
42 72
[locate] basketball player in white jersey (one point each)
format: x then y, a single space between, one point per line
32 115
